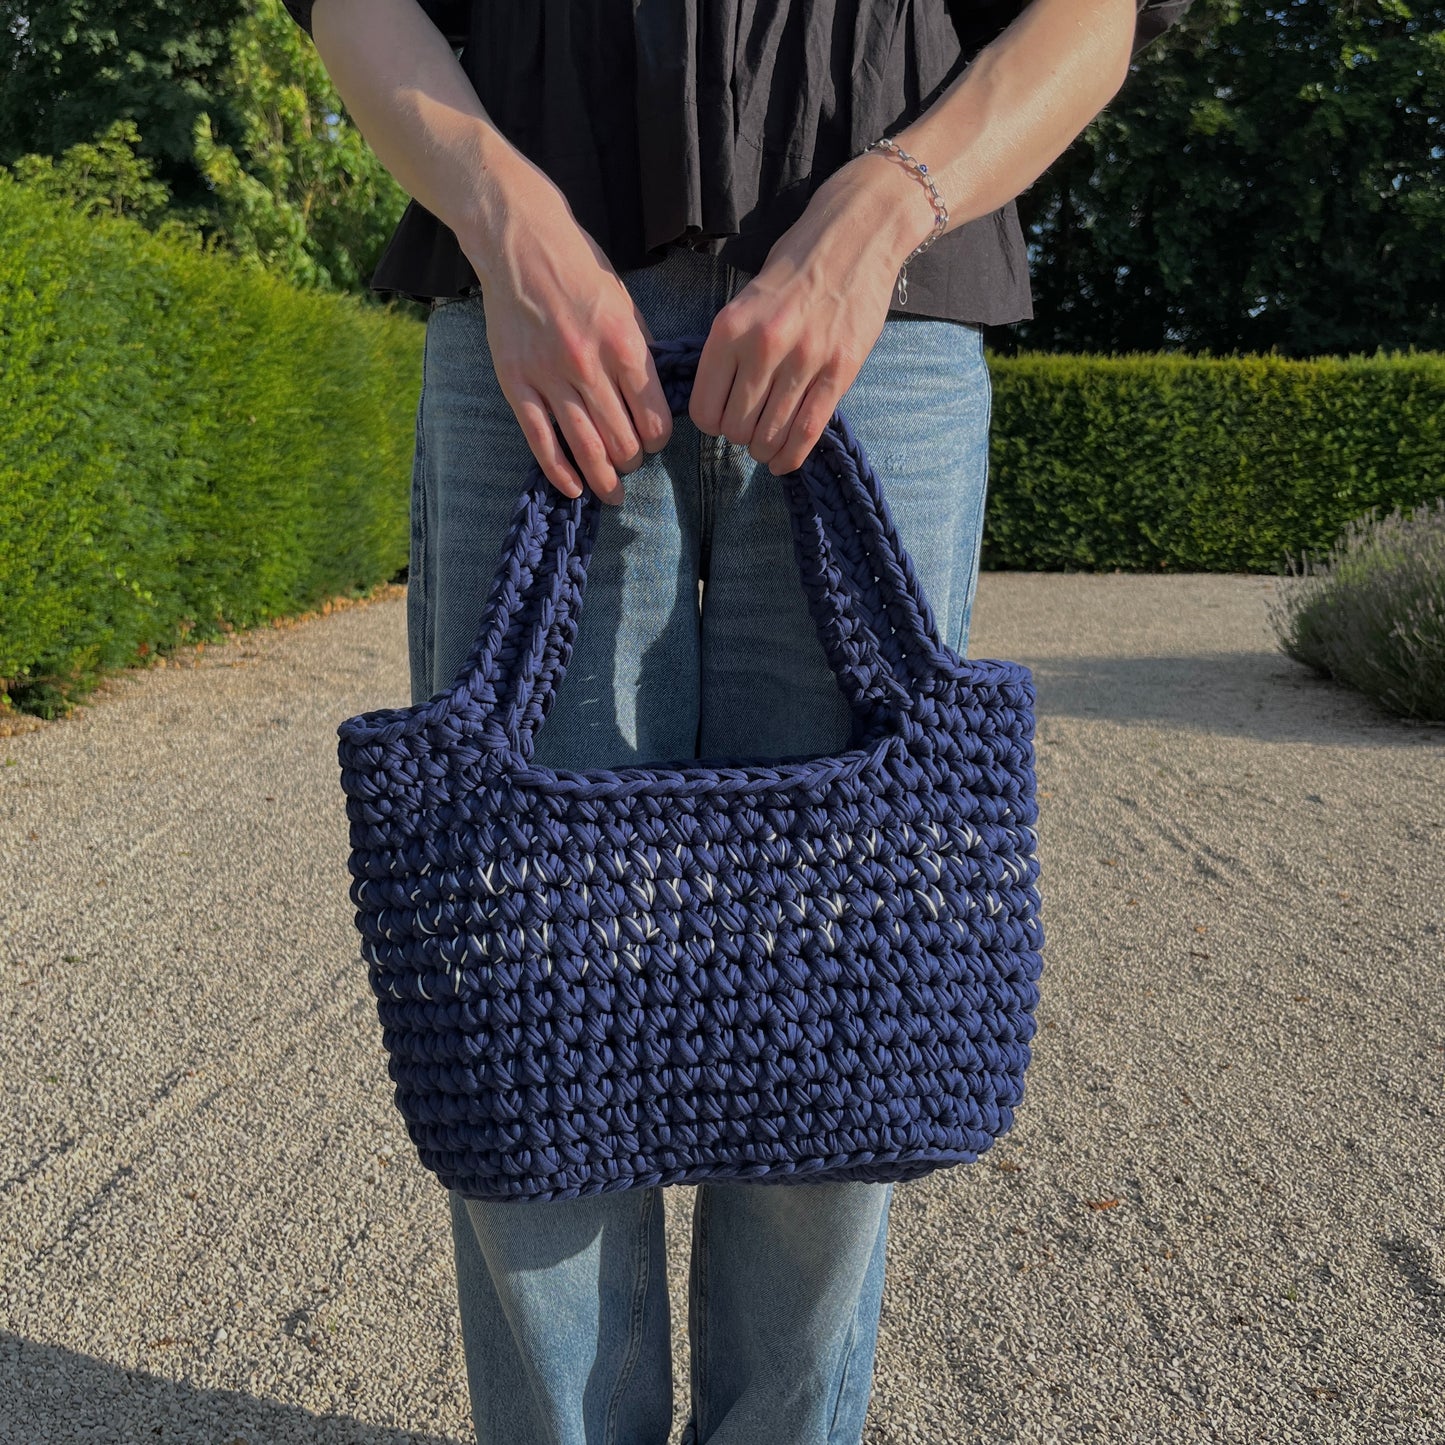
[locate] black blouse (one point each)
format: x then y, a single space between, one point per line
709 123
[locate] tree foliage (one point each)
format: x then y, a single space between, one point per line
72 68
299 191
107 176
1269 177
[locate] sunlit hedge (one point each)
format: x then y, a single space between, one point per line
1174 463
189 446
186 445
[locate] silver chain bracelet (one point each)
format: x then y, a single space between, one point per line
940 211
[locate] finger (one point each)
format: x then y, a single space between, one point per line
770 431
809 421
642 325
612 421
589 452
748 394
585 376
541 436
717 364
641 389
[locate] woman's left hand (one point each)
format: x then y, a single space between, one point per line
780 355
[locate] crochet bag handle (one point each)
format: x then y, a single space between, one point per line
872 616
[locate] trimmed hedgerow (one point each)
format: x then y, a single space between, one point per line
1150 463
187 446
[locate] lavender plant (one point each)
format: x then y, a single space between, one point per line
1372 614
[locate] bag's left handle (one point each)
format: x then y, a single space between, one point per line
507 685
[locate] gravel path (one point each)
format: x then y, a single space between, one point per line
1220 1215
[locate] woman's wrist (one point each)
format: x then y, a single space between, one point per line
916 217
886 203
504 188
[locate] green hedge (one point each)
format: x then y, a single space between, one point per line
1159 462
187 445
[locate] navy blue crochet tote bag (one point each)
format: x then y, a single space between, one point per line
818 967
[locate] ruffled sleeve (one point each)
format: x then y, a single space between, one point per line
452 17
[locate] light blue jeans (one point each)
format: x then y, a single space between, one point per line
564 1304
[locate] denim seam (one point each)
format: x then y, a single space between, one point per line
710 449
706 478
843 1375
698 1323
419 524
639 1309
965 623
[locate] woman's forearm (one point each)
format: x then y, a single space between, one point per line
568 343
412 101
1018 106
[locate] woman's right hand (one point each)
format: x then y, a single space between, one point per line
568 341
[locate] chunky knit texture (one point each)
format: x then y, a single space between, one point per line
808 968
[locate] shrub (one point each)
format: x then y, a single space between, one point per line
1172 463
1372 615
187 446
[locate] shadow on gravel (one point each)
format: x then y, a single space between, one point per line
1260 695
53 1394
1417 1270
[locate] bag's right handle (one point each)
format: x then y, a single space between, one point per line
870 609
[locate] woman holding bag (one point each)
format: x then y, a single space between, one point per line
826 191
